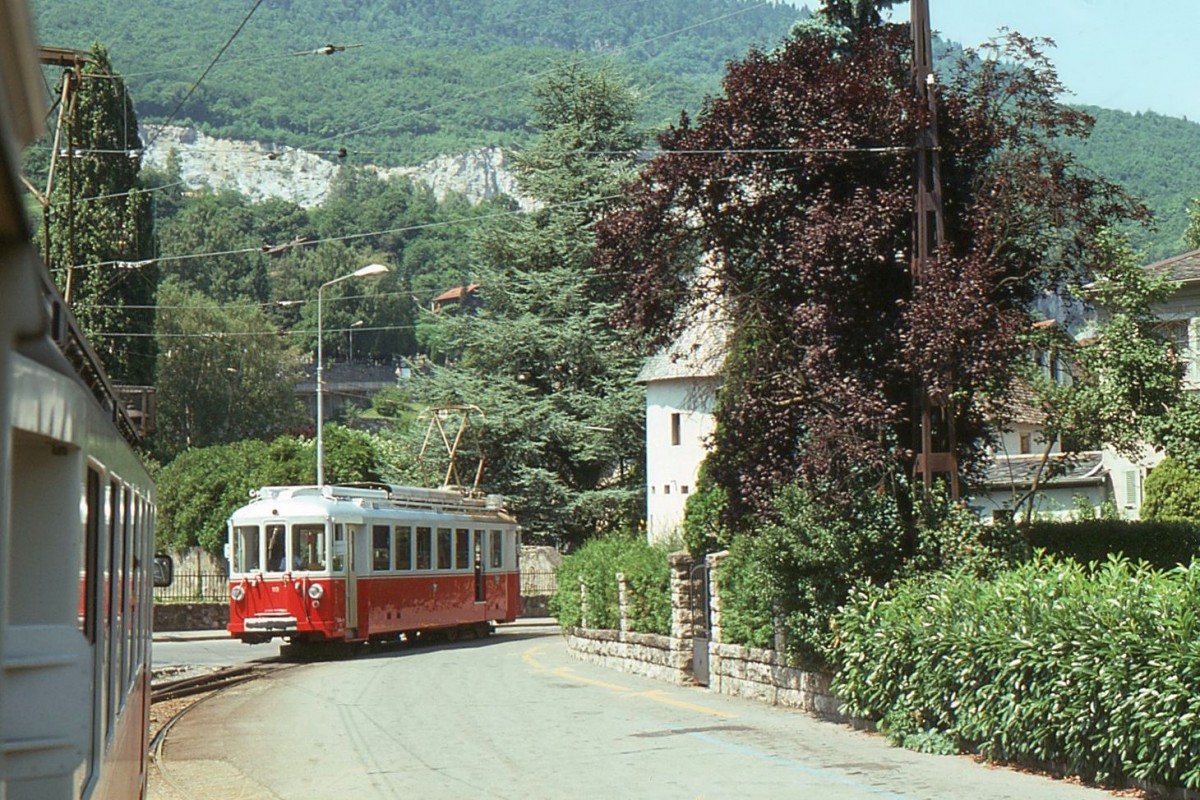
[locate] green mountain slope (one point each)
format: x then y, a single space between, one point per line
1155 157
431 76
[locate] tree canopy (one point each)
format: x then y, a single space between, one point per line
797 184
563 434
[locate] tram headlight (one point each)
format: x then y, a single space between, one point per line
316 591
238 593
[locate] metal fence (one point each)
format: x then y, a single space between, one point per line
212 587
194 587
538 584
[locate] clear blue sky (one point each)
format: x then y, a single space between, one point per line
1135 55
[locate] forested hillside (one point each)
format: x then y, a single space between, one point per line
430 76
1154 156
427 77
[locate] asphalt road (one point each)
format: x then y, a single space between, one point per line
205 651
515 716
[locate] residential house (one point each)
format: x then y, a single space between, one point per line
681 390
458 298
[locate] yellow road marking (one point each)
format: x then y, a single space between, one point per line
530 657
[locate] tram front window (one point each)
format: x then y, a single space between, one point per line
276 552
245 548
308 547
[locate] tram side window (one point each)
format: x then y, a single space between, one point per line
444 547
381 548
91 555
424 548
276 548
497 549
308 546
404 548
462 548
339 547
245 548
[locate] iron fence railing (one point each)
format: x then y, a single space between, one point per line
539 583
194 587
213 587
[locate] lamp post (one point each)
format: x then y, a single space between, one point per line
353 325
370 269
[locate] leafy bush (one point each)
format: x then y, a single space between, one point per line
597 563
1049 663
811 557
747 595
703 520
1172 492
1162 544
803 567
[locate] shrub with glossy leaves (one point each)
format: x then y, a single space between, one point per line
1093 671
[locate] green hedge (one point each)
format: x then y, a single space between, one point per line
1161 544
647 575
1048 664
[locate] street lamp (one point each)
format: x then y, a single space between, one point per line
353 325
364 272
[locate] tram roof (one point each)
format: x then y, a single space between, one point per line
294 500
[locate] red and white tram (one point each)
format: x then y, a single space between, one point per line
348 564
76 515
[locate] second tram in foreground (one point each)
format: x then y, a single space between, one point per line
347 564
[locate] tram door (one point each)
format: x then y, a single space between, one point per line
353 537
480 585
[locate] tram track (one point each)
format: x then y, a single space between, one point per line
175 698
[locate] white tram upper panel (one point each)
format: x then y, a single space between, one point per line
355 505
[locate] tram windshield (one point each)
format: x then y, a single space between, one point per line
245 548
308 546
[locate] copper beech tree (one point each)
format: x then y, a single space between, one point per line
787 206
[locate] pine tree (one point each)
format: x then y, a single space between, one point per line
564 431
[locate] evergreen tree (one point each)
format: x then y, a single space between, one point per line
101 229
563 434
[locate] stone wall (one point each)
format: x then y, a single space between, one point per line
191 616
660 657
754 673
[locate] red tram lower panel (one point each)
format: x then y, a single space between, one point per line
315 608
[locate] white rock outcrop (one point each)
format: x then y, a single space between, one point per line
260 171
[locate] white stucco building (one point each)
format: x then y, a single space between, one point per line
681 389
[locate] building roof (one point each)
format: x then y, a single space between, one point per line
1184 268
456 293
1080 469
699 352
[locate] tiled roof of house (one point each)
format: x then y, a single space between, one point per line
456 293
699 352
1023 404
1081 469
1184 268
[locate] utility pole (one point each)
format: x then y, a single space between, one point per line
71 62
936 438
